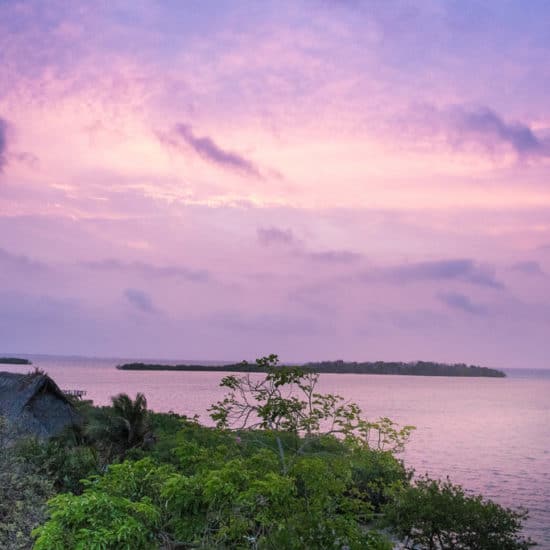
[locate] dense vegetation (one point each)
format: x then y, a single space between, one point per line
416 368
14 361
284 468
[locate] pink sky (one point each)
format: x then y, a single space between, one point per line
317 179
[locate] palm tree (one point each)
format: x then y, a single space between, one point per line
133 418
121 427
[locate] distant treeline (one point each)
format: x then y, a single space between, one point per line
417 368
14 361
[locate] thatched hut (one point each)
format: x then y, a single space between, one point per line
33 404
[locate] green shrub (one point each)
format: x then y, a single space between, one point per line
439 515
132 480
375 474
286 468
23 494
98 521
66 465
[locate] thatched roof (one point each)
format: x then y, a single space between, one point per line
34 405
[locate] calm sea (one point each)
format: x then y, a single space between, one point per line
491 435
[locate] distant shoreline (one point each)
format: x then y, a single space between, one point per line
418 368
14 361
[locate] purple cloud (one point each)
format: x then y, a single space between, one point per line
334 256
149 270
272 323
38 322
273 235
413 320
3 142
140 300
440 270
207 149
454 300
486 127
19 262
528 267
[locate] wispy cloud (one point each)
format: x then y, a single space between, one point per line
19 262
149 270
465 270
268 236
140 300
490 129
274 323
333 256
529 267
3 143
210 151
274 235
458 301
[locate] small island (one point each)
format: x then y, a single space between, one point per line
14 361
415 368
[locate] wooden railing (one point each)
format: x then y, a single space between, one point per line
75 393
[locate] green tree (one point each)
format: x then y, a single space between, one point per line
286 400
437 515
123 426
98 521
23 494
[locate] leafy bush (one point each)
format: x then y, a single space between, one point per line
219 492
439 515
251 503
285 468
121 427
376 474
286 401
96 521
65 465
23 494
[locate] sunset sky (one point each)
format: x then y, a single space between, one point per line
320 179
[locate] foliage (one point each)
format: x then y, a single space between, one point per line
418 368
286 400
96 521
415 368
376 474
63 463
23 494
123 426
14 361
435 514
285 468
223 491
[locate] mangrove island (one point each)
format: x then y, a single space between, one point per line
416 368
14 361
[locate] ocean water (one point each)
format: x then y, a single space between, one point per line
490 435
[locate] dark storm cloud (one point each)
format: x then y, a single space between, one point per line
210 151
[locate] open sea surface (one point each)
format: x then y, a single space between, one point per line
491 435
